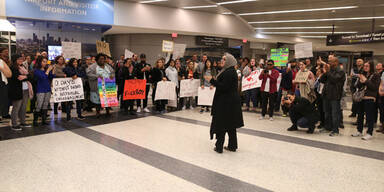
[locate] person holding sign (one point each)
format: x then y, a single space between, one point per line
268 89
207 74
226 109
143 71
128 73
20 92
95 71
251 94
43 80
158 74
304 81
74 71
59 73
190 73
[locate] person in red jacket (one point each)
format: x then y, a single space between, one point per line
268 89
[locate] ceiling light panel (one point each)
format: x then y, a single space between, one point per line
281 28
315 20
233 2
310 32
298 10
199 7
314 37
152 1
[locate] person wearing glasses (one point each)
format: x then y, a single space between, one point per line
268 89
226 109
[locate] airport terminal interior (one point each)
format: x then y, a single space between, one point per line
137 95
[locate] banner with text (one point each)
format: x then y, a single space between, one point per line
280 56
165 90
179 51
167 46
205 96
67 89
303 50
71 50
189 87
301 77
108 92
252 81
134 89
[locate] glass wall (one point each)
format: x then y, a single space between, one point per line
8 39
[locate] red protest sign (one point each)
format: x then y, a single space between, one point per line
134 89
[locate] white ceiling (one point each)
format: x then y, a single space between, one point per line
274 22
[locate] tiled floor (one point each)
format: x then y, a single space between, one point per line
172 152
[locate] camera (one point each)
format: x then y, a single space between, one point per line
266 71
286 98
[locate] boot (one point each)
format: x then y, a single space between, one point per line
44 117
36 118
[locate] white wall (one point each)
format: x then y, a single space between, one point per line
2 8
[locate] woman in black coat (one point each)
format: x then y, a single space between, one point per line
127 73
158 74
226 109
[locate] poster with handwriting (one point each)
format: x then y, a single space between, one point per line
189 87
134 89
103 47
251 81
205 96
165 90
67 89
71 50
108 92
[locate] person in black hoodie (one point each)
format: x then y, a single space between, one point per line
128 72
143 71
301 112
74 71
20 93
158 74
286 85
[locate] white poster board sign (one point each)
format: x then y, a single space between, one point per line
179 51
128 54
303 50
167 46
71 50
166 90
301 77
189 87
251 81
205 96
279 81
67 89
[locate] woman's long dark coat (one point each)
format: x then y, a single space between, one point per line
226 107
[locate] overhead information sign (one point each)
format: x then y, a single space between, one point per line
82 11
212 41
358 38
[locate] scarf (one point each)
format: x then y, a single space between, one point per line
230 61
24 71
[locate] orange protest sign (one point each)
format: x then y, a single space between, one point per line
134 89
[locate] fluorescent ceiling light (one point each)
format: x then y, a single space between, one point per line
232 2
199 7
309 32
152 1
317 27
314 20
227 13
298 10
381 25
314 37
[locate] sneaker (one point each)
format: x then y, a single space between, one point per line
333 134
25 125
139 109
6 116
367 137
184 108
292 128
271 119
80 117
16 128
261 118
341 126
147 110
202 111
358 134
323 130
191 108
284 115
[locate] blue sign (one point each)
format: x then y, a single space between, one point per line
81 11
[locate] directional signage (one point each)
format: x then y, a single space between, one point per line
358 38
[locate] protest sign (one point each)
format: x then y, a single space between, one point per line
280 56
165 90
71 50
205 96
108 92
179 51
189 87
67 89
303 50
134 89
103 47
128 54
301 77
251 81
167 46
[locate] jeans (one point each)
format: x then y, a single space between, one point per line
332 114
145 101
42 100
20 108
268 98
251 95
366 107
232 143
68 106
